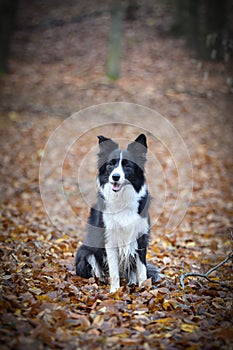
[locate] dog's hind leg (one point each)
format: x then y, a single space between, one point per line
152 272
97 271
83 267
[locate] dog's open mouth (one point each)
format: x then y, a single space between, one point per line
116 187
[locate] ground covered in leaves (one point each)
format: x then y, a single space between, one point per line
57 66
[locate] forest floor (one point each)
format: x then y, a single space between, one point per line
57 68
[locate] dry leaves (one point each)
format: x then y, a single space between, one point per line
43 305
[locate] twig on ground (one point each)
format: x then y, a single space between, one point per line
205 275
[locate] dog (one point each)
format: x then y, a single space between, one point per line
118 226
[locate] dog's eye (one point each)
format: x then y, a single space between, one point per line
111 163
126 163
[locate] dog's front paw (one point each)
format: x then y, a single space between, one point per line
132 279
114 288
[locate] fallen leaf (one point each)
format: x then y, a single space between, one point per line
189 328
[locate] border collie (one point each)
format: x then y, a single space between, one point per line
118 225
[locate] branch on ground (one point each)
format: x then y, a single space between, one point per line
205 275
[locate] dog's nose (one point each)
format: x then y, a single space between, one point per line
116 177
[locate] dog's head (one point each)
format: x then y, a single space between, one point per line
122 167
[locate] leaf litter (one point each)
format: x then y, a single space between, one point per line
43 305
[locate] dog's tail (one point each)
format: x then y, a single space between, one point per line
152 272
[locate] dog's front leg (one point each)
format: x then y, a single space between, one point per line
112 257
141 271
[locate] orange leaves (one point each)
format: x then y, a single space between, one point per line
43 300
60 308
43 305
169 304
189 328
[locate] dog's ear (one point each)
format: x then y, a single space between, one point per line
139 145
142 140
106 144
139 149
102 138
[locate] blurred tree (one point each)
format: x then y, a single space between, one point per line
207 25
113 61
7 15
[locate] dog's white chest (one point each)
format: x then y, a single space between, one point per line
123 228
123 224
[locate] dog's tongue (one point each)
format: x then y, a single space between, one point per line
116 187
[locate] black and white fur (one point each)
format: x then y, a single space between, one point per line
118 225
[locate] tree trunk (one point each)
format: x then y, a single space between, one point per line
7 16
114 54
205 24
